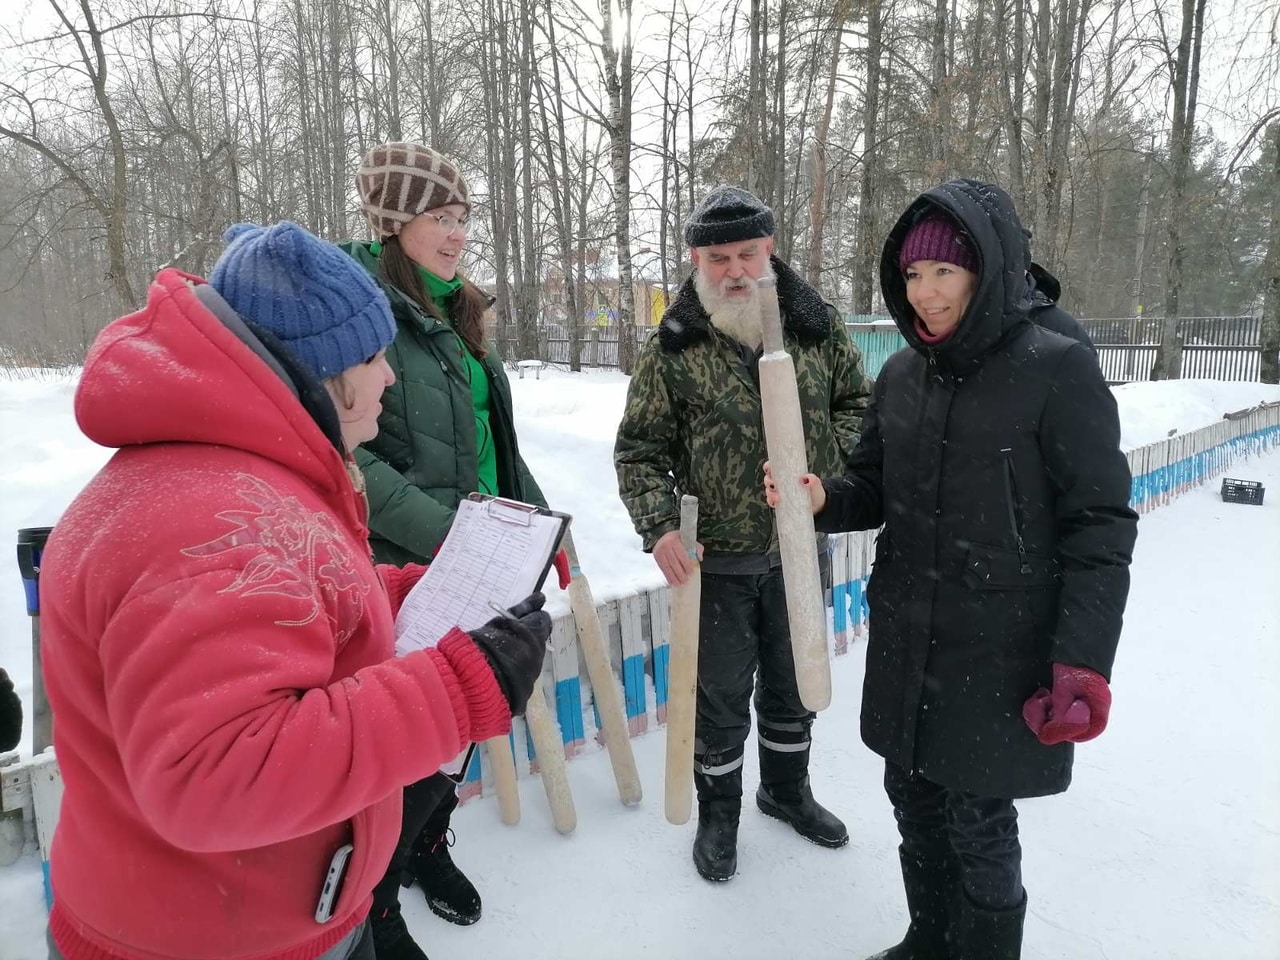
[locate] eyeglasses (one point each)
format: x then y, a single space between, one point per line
448 222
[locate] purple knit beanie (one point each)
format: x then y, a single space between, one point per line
937 237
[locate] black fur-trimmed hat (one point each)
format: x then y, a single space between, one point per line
727 215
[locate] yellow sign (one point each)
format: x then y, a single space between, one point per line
657 308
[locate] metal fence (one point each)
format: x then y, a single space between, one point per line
598 345
1214 348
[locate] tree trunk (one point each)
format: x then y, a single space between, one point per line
617 82
818 202
531 282
553 149
1186 77
95 62
493 70
940 126
864 274
1269 368
1012 92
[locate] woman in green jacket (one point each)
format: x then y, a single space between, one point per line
446 430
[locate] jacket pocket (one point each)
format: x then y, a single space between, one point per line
988 567
1011 505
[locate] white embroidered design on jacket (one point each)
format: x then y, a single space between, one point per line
297 553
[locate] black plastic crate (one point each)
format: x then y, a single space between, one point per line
1242 491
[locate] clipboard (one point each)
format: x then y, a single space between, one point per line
456 770
516 511
496 553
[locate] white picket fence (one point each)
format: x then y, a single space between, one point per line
636 633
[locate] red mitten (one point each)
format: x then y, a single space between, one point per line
1075 710
562 568
399 581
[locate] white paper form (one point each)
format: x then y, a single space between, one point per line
494 554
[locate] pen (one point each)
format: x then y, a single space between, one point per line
501 611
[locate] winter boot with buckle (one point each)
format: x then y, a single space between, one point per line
718 778
450 894
391 938
784 791
930 888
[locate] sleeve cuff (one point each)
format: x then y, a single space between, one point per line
399 581
657 532
474 691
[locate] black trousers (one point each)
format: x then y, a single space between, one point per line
977 835
433 796
743 631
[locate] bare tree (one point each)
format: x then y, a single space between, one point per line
109 198
1185 70
1270 337
617 53
867 228
818 202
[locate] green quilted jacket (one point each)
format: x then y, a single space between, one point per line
423 460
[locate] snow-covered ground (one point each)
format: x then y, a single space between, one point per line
1167 845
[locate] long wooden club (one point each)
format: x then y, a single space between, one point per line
682 676
604 686
784 438
549 745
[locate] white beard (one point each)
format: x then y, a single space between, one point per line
738 316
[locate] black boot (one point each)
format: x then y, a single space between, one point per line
984 934
784 784
715 848
718 777
930 888
391 938
449 893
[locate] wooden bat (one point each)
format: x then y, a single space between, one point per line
682 673
788 461
549 746
604 686
503 765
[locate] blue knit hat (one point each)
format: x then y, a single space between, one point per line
323 306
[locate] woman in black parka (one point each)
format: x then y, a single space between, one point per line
990 454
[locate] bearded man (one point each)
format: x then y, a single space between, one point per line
693 425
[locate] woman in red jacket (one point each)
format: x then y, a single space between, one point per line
232 727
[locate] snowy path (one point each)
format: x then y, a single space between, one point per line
1167 847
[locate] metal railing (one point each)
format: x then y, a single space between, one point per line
1214 348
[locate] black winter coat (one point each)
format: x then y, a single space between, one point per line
1045 312
10 714
993 462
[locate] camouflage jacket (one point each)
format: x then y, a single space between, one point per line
693 424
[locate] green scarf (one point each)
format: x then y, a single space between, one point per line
439 290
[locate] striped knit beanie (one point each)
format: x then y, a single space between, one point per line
936 236
322 305
398 181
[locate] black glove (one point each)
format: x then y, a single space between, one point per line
10 714
515 647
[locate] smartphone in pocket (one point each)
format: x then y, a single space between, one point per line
332 888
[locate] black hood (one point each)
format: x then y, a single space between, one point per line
999 303
804 313
1047 288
